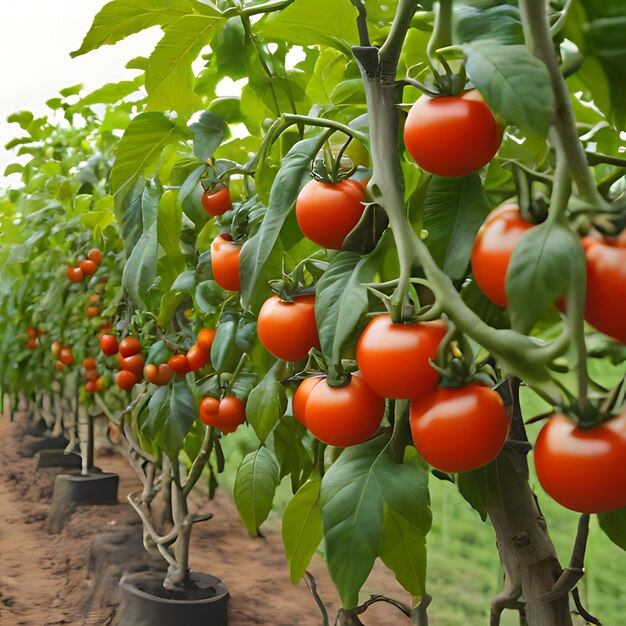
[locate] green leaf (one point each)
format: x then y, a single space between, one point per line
208 133
501 23
455 208
341 299
294 173
403 550
314 22
255 486
169 76
141 146
267 403
614 525
111 93
474 486
120 18
302 528
514 83
169 230
209 296
355 491
548 258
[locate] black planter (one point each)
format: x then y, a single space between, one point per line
58 458
33 444
72 489
145 602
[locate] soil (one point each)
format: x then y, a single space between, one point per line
44 578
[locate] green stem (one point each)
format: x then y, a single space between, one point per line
562 187
392 48
324 123
442 32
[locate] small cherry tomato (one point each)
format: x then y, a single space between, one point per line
452 135
88 267
90 386
55 348
301 396
126 380
32 333
75 274
92 375
197 358
216 201
66 356
225 262
343 416
31 344
205 339
459 429
160 375
493 248
134 364
327 213
288 329
108 344
129 346
92 311
60 365
394 358
89 363
209 411
94 298
179 364
583 469
95 256
230 413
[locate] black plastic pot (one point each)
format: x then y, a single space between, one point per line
58 458
72 489
37 444
145 602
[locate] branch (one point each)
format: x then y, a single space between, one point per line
361 22
291 119
392 48
588 617
200 461
310 581
595 158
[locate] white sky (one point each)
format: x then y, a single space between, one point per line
36 38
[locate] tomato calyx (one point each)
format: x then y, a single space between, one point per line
330 168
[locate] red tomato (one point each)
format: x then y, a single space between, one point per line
493 248
60 365
95 256
66 356
89 363
126 380
160 375
459 429
343 416
99 384
90 386
92 311
452 135
134 364
179 364
205 339
108 345
605 302
31 344
75 274
288 329
32 333
393 358
301 396
197 358
228 415
583 469
216 201
225 262
327 213
88 267
129 346
92 375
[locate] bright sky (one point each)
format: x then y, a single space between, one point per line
36 38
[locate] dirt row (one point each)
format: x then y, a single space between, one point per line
72 578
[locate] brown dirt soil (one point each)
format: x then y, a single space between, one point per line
44 577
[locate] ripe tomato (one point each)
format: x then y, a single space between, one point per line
205 339
225 262
108 345
31 344
288 329
179 364
32 333
92 375
126 380
216 201
493 248
459 429
452 135
134 364
229 414
129 346
92 311
90 386
89 363
60 366
94 298
393 358
196 358
327 213
301 396
160 375
99 384
95 256
55 348
583 469
66 356
606 286
88 267
343 416
75 274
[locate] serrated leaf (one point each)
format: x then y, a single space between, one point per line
255 486
302 528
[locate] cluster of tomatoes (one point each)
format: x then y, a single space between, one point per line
33 336
131 361
86 267
197 356
95 382
93 310
63 354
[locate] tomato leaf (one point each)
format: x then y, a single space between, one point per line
267 402
548 258
455 208
614 525
503 75
501 23
255 486
302 528
208 133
